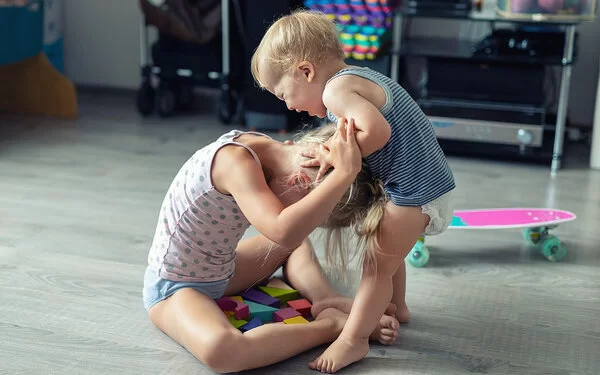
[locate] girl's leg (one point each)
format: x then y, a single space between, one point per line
375 290
257 258
194 321
304 273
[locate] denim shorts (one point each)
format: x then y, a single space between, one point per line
157 289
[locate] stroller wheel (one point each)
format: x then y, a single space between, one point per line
225 108
229 107
166 101
145 99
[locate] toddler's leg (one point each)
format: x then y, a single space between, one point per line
399 294
376 287
304 273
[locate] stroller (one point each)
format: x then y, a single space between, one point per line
194 48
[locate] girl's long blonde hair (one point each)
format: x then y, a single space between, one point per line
361 209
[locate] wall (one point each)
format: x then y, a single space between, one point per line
102 48
102 42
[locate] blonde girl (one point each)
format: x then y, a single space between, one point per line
244 179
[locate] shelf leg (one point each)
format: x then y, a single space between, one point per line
396 45
563 99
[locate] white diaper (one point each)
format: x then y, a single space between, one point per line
440 214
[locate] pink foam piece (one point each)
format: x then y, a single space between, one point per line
240 309
283 314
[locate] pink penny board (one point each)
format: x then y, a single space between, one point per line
496 218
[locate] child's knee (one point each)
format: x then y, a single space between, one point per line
216 351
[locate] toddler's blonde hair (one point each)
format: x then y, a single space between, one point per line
299 36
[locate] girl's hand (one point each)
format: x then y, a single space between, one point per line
341 151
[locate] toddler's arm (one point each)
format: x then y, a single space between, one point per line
372 129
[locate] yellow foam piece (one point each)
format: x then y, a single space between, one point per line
237 323
278 283
296 320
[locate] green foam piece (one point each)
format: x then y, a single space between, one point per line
263 312
283 295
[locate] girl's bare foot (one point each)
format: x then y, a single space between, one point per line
403 314
340 354
343 304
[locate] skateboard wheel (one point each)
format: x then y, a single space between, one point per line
553 249
419 255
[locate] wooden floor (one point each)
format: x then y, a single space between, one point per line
78 204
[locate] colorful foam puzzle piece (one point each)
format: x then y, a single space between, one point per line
278 283
302 306
257 296
283 314
231 304
296 320
237 323
265 313
282 295
253 323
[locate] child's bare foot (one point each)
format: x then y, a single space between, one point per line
343 304
403 314
386 331
340 354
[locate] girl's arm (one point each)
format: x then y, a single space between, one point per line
289 226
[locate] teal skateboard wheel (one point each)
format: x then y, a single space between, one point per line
418 256
553 249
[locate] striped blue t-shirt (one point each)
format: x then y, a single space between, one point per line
411 165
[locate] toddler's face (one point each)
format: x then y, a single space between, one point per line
297 91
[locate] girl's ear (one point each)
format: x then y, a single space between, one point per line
299 180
